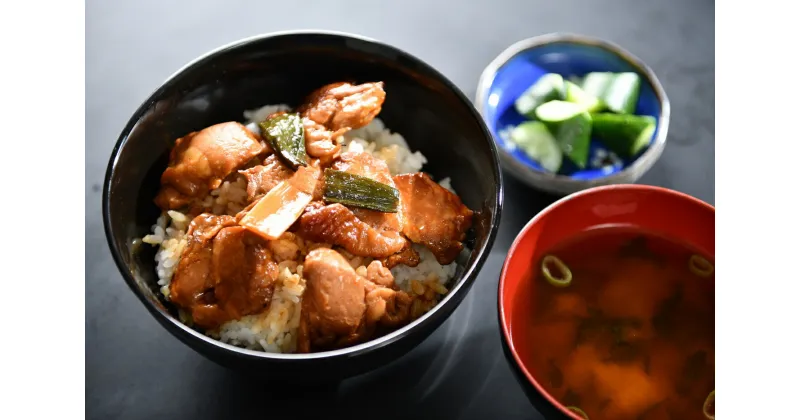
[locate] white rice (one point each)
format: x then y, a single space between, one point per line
446 184
169 233
276 329
428 269
254 116
230 198
383 144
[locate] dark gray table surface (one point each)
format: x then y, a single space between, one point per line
135 369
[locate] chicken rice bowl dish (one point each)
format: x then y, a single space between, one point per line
304 230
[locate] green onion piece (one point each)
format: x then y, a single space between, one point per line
556 281
700 266
578 411
285 134
355 190
708 406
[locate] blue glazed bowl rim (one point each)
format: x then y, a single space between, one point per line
565 183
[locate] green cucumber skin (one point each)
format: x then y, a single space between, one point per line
574 136
625 135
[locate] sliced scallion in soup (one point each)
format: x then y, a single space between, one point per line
708 406
700 266
562 277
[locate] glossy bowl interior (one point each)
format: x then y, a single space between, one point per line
421 104
660 211
522 64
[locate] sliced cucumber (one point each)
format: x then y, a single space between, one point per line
547 88
596 83
572 127
578 96
618 91
626 135
538 143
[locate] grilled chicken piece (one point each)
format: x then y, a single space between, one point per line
407 256
336 224
192 286
335 109
333 303
201 160
341 308
380 275
264 177
388 307
433 216
225 272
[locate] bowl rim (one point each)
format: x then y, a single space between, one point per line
565 183
504 317
464 282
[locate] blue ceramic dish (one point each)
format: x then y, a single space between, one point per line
522 64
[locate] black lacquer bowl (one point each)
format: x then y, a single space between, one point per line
421 104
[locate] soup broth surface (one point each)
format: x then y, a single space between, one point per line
632 335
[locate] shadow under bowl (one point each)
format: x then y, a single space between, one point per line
421 104
569 55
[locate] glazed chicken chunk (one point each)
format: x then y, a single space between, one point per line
201 160
433 216
333 302
225 272
340 307
335 109
262 178
336 224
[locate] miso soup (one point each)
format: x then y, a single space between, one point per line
622 326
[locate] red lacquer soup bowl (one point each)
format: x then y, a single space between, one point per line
656 210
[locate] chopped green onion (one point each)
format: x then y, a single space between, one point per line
285 134
578 411
359 191
700 266
556 281
708 406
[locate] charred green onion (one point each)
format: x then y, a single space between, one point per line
285 134
700 266
708 406
578 411
563 281
359 191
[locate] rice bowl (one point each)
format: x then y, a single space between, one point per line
429 110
